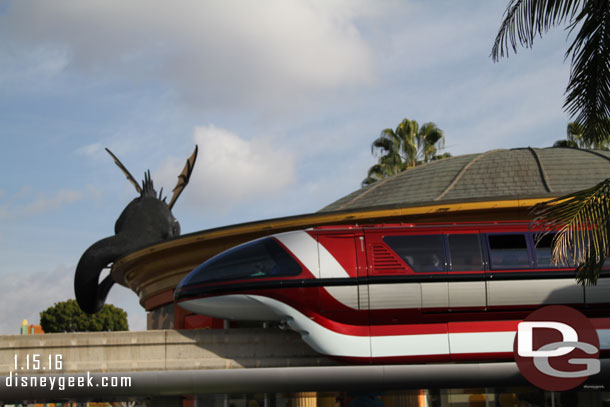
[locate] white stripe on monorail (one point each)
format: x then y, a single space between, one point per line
321 263
315 335
304 247
333 343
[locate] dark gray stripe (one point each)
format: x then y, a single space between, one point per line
189 292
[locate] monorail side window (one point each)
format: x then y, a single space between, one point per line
423 253
508 251
465 252
544 251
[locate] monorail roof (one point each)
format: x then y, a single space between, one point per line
497 174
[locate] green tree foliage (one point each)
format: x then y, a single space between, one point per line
407 146
576 139
66 316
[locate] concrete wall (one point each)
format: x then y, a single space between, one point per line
157 350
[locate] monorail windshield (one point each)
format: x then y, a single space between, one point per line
260 258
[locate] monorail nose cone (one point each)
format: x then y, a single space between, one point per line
220 286
234 307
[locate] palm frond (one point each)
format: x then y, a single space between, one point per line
588 92
409 150
391 164
523 19
376 173
574 131
382 145
407 131
430 139
566 144
582 220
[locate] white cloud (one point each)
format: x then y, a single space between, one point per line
230 170
44 202
41 203
214 53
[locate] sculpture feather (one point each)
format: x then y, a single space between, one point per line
125 171
184 177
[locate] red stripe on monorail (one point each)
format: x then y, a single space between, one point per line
443 328
483 326
345 329
443 357
410 329
415 329
427 329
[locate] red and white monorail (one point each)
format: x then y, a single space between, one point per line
396 293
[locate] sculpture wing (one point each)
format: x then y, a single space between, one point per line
126 172
184 177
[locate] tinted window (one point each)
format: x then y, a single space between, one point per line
260 258
422 253
465 252
544 251
508 251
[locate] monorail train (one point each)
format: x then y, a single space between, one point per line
396 293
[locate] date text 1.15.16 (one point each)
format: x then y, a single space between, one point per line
36 362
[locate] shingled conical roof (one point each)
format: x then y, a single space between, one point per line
498 174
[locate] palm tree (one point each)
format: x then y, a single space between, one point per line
588 90
575 139
407 146
583 217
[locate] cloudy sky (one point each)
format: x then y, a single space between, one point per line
283 98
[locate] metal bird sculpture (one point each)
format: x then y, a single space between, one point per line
146 220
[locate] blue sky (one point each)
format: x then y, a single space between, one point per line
283 97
